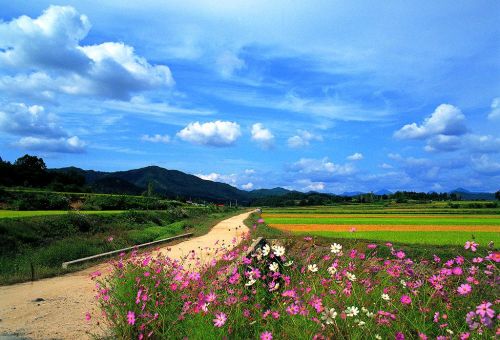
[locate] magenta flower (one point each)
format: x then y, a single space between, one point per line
405 300
131 318
464 289
220 319
266 336
485 310
260 220
400 255
87 316
400 336
471 245
371 246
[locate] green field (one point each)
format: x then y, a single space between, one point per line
432 223
15 213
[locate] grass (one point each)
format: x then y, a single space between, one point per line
413 237
47 241
16 213
386 221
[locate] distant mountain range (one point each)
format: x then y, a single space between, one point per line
172 183
176 183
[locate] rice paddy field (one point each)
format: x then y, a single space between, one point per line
430 223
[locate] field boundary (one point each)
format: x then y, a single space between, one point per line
109 253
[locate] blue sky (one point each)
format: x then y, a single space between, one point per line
328 96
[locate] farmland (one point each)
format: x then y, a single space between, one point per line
437 224
31 213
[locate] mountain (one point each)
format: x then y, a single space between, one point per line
467 195
352 193
268 192
383 192
171 183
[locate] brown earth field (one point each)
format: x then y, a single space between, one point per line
382 227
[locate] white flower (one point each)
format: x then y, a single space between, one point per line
329 315
385 297
250 282
351 311
449 331
378 337
266 249
204 307
332 270
312 268
350 276
274 287
335 248
274 267
288 264
279 250
403 283
359 322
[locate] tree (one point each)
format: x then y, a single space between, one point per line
31 163
497 195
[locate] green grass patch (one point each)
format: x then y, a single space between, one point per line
386 221
47 241
15 213
414 237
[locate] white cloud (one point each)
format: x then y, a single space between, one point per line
471 142
216 177
355 157
218 133
157 138
386 166
49 46
315 186
227 63
495 109
302 138
262 135
485 165
247 186
64 145
445 120
21 119
309 165
249 171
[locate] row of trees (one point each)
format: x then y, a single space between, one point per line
31 171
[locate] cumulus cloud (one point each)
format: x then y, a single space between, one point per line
485 165
315 186
302 138
495 109
471 142
445 120
355 156
49 47
262 135
218 133
63 144
38 129
247 186
310 165
21 119
216 177
227 63
157 138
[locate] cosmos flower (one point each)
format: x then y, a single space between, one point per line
220 319
464 289
335 248
312 268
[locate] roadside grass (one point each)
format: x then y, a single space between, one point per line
30 213
47 241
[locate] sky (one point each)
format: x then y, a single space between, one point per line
328 96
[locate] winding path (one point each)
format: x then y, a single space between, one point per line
66 299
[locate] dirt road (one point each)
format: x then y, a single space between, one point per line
66 299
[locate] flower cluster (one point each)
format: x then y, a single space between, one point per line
301 289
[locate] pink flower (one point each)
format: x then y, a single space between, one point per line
494 256
266 336
464 336
352 230
371 246
87 316
485 310
260 220
131 318
308 238
399 336
220 319
400 255
457 271
464 289
405 300
110 239
471 245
